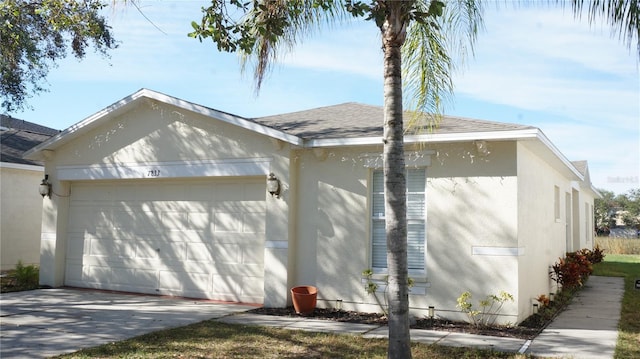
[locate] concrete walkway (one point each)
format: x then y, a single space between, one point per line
588 328
49 322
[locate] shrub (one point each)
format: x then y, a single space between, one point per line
594 256
489 308
573 270
26 276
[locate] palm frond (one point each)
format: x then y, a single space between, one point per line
430 56
279 25
622 15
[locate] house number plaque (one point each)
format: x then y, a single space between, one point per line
153 173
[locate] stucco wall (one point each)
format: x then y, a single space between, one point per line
544 236
21 214
471 206
156 133
472 228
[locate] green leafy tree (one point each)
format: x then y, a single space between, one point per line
35 34
420 32
604 208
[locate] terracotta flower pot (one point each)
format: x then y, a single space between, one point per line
304 299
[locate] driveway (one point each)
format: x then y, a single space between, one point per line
47 322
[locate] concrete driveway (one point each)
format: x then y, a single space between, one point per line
47 322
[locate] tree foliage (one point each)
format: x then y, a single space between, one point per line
35 34
625 206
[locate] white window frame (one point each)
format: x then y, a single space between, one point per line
414 273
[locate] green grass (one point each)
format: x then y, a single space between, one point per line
211 339
627 266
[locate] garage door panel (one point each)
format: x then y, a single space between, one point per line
200 252
174 220
199 221
185 281
252 222
117 249
228 222
75 246
252 255
169 237
133 277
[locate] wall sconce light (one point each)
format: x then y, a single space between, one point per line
273 185
45 187
432 312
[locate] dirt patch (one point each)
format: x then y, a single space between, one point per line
422 323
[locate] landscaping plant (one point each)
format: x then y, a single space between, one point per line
489 308
575 268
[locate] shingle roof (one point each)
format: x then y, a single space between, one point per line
581 166
18 136
17 124
349 120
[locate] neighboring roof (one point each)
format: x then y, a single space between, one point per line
352 120
581 166
8 122
18 136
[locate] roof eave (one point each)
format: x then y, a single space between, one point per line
428 138
119 107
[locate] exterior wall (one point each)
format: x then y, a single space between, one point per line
332 229
543 236
472 227
464 193
153 135
21 214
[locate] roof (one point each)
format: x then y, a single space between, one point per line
353 120
348 124
581 166
19 136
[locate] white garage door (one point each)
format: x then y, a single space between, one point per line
196 238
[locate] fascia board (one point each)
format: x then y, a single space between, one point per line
429 138
84 126
118 107
556 152
21 166
225 117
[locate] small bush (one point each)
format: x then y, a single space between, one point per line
23 277
26 276
489 308
573 270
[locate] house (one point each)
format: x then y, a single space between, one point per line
20 204
155 194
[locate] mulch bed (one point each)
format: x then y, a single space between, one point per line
421 323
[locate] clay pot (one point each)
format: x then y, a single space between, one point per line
304 299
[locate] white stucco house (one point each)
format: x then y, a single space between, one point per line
20 204
155 194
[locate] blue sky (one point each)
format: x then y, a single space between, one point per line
535 66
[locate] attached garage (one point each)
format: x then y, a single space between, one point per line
193 238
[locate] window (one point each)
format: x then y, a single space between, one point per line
416 220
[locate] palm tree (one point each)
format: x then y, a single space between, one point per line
423 33
268 26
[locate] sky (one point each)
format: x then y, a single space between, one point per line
534 66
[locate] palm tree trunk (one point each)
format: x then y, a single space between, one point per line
393 36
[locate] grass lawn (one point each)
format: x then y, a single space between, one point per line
627 266
211 339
